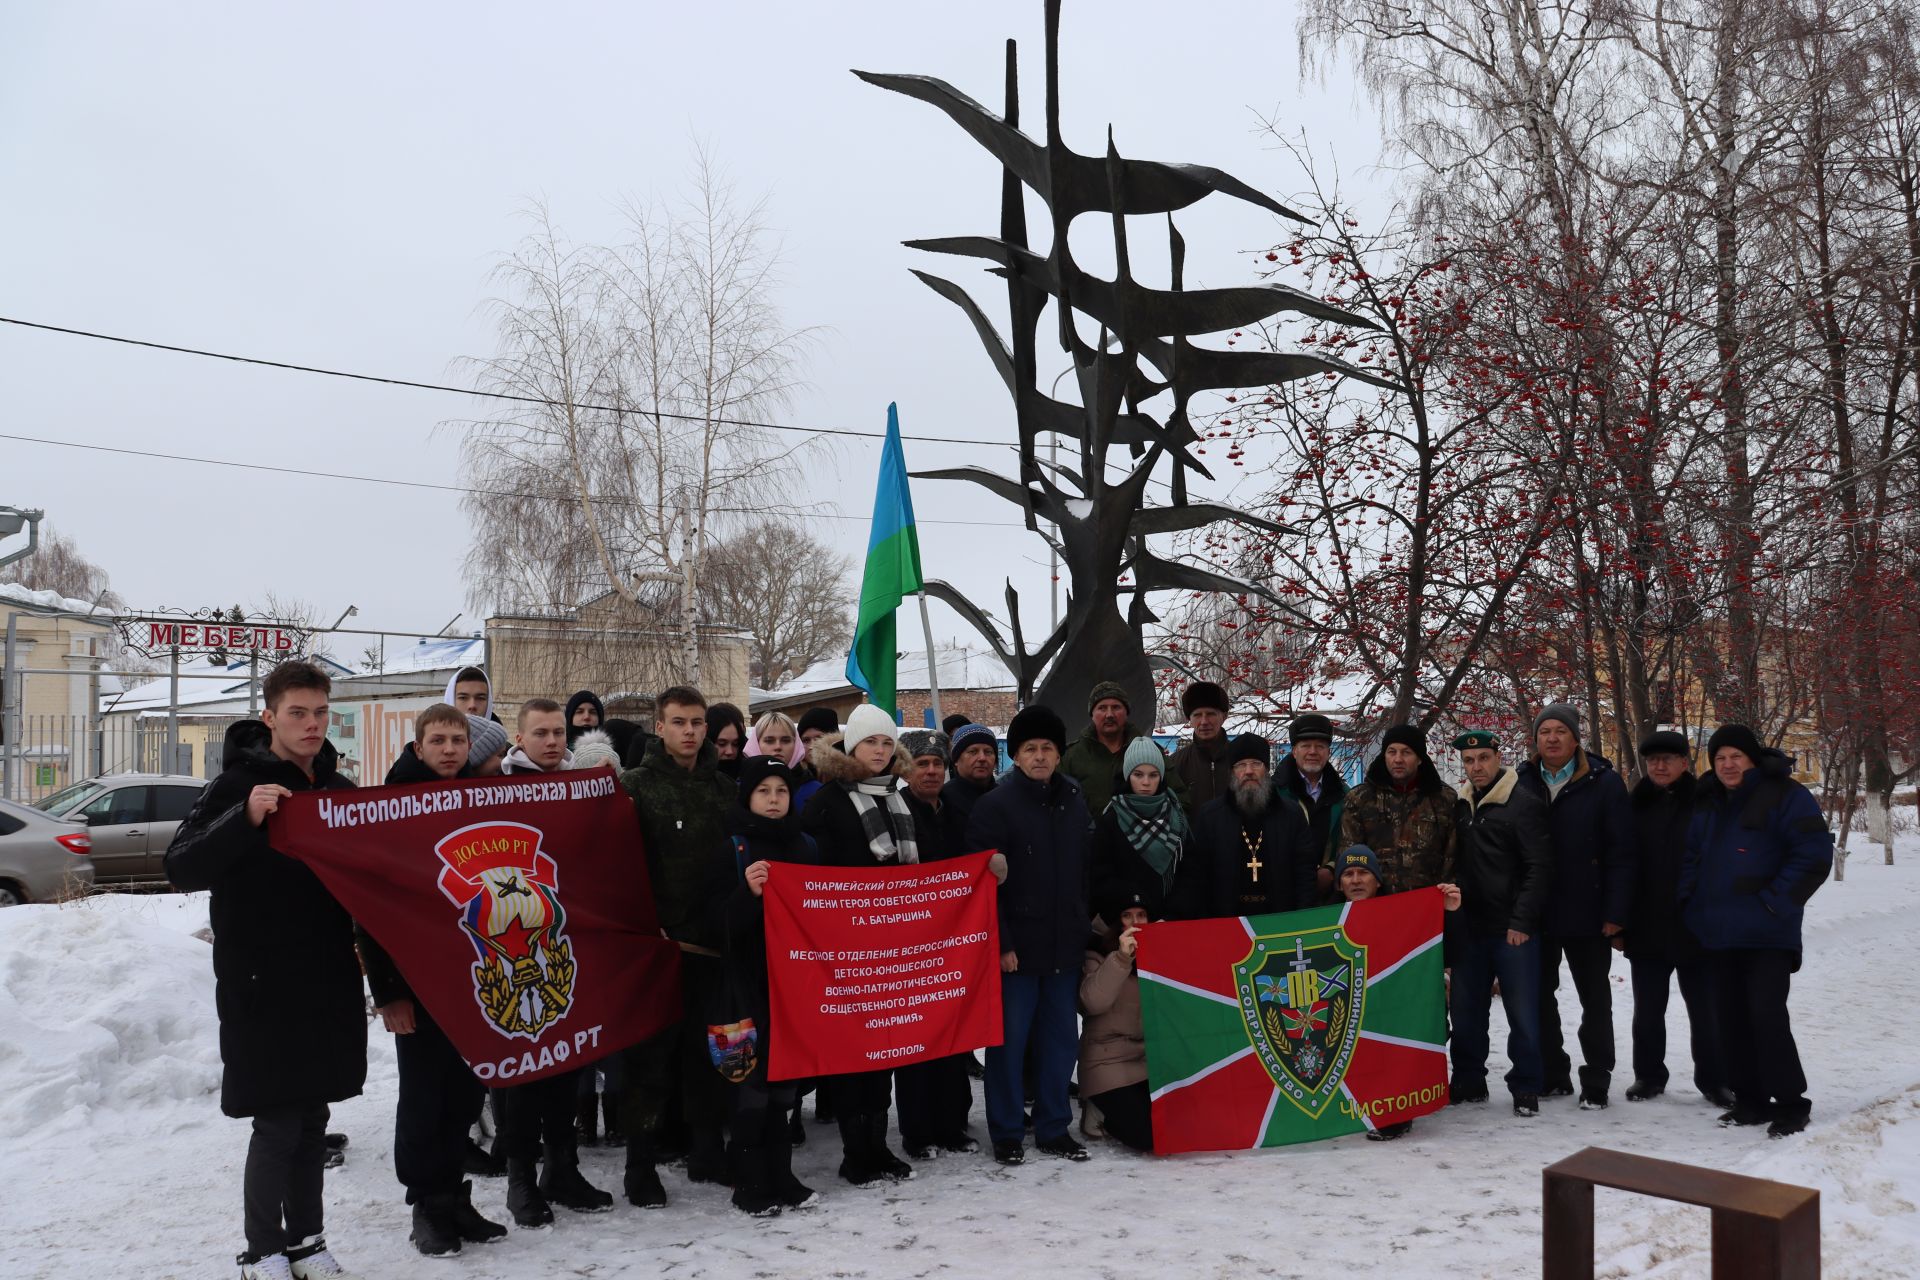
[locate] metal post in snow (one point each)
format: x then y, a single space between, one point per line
9 698
933 667
173 709
253 685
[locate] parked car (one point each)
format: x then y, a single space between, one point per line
42 858
131 818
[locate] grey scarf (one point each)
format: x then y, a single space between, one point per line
886 819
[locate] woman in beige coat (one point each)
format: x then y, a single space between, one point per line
1113 1040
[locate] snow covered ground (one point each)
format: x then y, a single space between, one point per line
115 1160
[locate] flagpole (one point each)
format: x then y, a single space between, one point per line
933 668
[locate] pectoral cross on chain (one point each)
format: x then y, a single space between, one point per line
1253 854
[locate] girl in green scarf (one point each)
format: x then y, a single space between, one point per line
1140 841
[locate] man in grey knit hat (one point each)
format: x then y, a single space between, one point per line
1093 758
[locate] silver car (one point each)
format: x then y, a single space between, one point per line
42 858
131 818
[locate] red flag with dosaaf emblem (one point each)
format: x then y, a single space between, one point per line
516 907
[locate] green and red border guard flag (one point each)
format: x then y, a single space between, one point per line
1269 1030
893 573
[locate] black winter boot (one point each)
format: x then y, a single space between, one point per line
642 1183
707 1159
524 1201
889 1164
473 1228
561 1182
752 1192
793 1193
434 1233
856 1156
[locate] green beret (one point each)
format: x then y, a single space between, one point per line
1476 738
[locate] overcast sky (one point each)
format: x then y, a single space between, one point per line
330 185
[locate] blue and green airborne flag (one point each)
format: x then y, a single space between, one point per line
893 573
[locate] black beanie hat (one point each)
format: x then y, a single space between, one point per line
1036 721
1407 736
1665 742
755 770
1116 903
825 719
1204 693
1737 736
953 723
586 697
1250 746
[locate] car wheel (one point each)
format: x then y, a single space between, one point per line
10 895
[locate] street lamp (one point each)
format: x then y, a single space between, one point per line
12 520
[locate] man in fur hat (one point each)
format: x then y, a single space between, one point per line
1202 764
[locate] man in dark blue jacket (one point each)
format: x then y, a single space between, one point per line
1756 851
1659 946
1591 902
1038 820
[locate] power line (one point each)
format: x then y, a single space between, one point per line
488 395
427 484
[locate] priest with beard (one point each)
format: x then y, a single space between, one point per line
1257 849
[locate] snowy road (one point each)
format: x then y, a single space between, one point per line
114 1159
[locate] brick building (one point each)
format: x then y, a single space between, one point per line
972 681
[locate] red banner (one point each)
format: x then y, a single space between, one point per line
880 967
517 908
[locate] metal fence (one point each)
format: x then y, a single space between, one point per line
52 752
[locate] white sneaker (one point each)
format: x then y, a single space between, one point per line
310 1260
272 1267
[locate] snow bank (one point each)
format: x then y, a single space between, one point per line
102 1010
115 1159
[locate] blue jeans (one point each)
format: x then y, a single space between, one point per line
1476 963
1041 1008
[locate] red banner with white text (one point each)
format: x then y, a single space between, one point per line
517 908
874 968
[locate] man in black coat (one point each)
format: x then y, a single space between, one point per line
1255 849
1504 867
1037 817
1659 946
440 1097
293 1023
1592 898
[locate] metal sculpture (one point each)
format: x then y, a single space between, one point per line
1101 524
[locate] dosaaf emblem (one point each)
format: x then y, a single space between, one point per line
508 892
1300 996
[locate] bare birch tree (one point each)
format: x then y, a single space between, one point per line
647 361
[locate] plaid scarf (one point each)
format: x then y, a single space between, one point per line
1156 827
886 819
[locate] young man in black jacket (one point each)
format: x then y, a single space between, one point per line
293 1024
1659 946
439 1095
1504 868
536 1119
683 802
